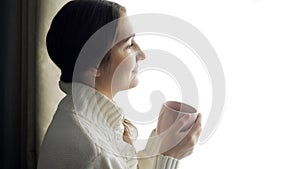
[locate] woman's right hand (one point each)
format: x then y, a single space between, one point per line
187 140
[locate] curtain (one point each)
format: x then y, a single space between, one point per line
18 76
29 80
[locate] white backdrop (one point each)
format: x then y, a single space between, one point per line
257 42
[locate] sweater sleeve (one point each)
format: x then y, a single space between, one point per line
155 162
158 162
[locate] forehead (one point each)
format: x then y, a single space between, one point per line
124 29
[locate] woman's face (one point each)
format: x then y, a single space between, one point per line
120 73
125 57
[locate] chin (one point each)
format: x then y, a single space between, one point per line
134 83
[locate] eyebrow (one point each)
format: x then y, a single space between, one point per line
131 36
125 40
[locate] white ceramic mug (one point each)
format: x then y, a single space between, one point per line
172 111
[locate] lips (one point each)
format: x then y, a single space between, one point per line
135 70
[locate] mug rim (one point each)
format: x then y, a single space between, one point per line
189 107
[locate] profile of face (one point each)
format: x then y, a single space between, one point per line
120 72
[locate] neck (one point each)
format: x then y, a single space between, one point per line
98 85
107 93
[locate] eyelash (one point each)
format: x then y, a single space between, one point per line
130 46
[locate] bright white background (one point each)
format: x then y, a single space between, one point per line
258 44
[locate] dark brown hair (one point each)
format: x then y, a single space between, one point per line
72 26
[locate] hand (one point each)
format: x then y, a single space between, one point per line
188 140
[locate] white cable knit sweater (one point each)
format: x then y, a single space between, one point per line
86 132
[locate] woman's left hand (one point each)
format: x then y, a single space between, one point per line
186 146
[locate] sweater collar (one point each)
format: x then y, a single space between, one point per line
94 106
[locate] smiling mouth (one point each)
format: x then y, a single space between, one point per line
135 70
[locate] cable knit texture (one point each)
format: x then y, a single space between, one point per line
86 132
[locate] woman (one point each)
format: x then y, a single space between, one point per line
88 129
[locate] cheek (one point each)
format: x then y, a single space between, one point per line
124 61
127 65
123 70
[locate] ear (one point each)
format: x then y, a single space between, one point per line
94 72
98 73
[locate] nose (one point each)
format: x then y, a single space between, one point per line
140 54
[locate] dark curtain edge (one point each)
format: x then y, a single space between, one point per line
18 90
29 27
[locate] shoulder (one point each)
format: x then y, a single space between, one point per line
65 144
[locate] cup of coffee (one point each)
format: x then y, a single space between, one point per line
172 111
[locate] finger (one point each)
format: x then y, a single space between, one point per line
198 121
196 128
187 154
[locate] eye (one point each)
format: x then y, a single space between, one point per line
130 45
